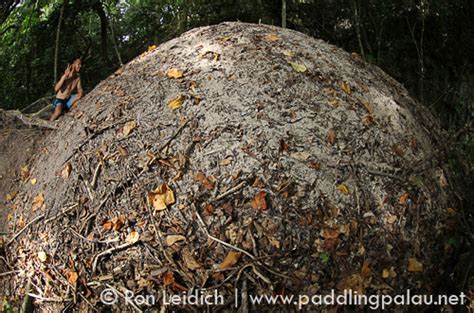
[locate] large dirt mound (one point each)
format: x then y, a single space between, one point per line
235 155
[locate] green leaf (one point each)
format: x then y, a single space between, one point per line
324 257
300 68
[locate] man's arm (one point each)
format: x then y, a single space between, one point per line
80 94
60 83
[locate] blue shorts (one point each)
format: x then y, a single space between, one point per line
64 103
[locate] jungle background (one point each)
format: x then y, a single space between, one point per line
428 45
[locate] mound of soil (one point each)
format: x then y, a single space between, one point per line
236 155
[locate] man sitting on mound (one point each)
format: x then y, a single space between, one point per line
69 82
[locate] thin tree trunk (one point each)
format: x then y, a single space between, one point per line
103 31
357 27
114 39
56 49
283 13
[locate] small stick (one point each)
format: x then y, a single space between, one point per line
203 227
166 144
230 191
39 217
110 251
123 296
96 173
7 273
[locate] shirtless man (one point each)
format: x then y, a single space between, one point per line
69 82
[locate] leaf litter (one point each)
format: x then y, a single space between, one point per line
285 179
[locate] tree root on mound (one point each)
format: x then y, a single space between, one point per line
28 120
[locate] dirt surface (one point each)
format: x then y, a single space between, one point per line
243 156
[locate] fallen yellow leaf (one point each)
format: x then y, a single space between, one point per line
385 273
414 265
346 87
174 73
152 47
128 127
66 170
300 68
132 237
161 197
38 202
33 181
172 239
230 260
176 103
343 188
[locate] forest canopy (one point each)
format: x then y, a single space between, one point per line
428 45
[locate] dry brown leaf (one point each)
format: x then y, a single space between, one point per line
368 120
122 150
274 242
161 197
177 102
172 239
38 202
330 232
132 237
272 37
168 279
391 218
128 127
205 182
230 260
24 172
414 265
189 261
259 202
108 225
346 87
343 188
398 150
365 271
66 171
11 196
118 222
331 137
403 198
174 73
355 56
72 277
226 162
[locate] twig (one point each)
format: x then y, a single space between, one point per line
204 228
48 299
39 217
96 173
123 296
7 273
110 251
166 144
230 191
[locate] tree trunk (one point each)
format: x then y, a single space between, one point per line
283 13
56 49
103 31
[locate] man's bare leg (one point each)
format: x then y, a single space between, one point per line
57 112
